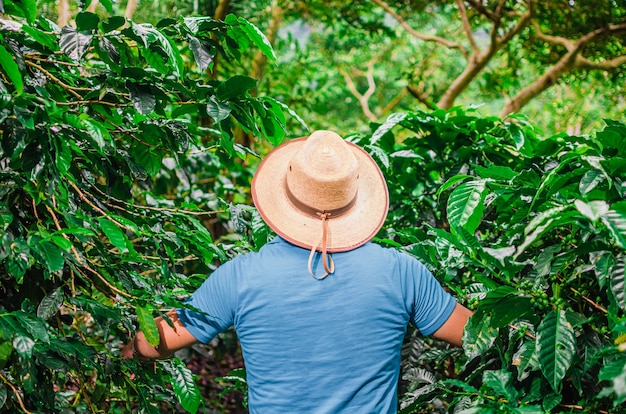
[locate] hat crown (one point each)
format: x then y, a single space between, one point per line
324 173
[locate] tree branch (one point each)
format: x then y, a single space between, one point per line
584 63
422 36
467 27
363 98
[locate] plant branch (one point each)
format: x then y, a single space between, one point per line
95 207
16 392
150 208
62 84
591 302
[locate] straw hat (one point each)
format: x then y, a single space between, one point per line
321 193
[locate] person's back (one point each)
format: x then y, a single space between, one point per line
330 345
320 312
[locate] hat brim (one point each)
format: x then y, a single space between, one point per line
345 232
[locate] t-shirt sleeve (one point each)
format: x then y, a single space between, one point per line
430 305
215 301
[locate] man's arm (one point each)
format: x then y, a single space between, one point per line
452 330
172 339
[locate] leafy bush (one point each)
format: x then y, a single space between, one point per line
118 155
531 234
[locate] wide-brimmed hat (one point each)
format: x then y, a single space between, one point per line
321 193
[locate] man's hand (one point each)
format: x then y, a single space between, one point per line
172 338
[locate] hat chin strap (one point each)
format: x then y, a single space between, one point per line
324 215
326 259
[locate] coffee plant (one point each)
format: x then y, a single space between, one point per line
120 166
530 232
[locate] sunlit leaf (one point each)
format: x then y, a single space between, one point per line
254 35
466 205
218 110
23 345
615 221
114 234
184 386
201 53
391 121
11 69
50 304
74 43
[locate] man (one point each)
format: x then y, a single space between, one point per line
320 313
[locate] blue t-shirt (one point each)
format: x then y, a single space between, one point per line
319 346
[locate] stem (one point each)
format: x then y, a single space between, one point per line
16 392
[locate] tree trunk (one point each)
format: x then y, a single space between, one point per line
549 78
92 6
473 68
221 10
64 13
131 6
260 60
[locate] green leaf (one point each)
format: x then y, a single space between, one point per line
23 345
48 40
589 181
114 234
496 172
478 336
148 326
148 158
74 43
593 210
50 304
142 98
218 110
201 52
11 69
615 221
501 382
52 255
256 36
538 225
86 21
62 154
391 121
185 387
30 9
236 86
556 347
617 281
517 135
6 217
451 182
466 205
150 35
35 326
6 349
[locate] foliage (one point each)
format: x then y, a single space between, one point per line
123 183
118 173
531 233
424 56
